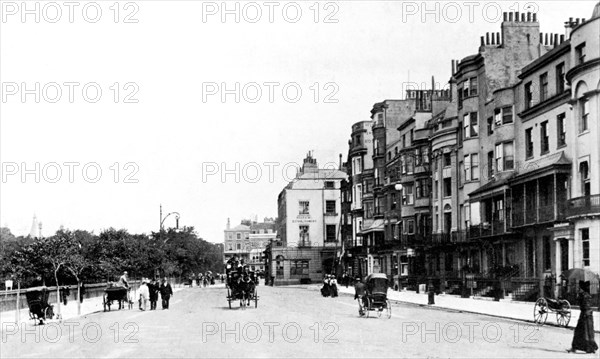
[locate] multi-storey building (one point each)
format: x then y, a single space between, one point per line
248 241
510 183
309 225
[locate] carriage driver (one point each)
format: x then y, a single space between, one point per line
123 282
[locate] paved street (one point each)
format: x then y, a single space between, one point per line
289 322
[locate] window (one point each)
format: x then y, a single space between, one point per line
279 268
230 236
329 184
299 267
303 207
447 187
528 95
230 247
543 86
544 141
472 167
357 168
395 151
390 156
580 54
303 238
584 114
560 78
411 136
418 157
509 158
528 144
435 189
411 226
238 246
238 235
407 198
422 188
473 85
585 246
403 140
584 174
447 159
498 117
466 89
561 127
330 207
330 233
490 126
460 98
498 210
499 158
393 201
471 125
507 115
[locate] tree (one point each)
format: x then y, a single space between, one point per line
55 251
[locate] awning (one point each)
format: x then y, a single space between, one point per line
377 226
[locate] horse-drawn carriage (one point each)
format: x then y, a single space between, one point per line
375 298
242 286
39 309
119 294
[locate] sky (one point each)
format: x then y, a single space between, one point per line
108 111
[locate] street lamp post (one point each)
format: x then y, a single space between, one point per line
162 220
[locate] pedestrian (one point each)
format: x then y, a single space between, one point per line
333 285
64 294
123 281
81 292
153 289
583 337
345 279
144 293
165 293
326 289
359 293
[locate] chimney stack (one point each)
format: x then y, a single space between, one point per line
228 224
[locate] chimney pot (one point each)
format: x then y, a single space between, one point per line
523 19
555 40
546 39
510 16
497 38
582 20
562 38
493 42
487 38
528 16
516 16
534 17
541 38
482 41
505 16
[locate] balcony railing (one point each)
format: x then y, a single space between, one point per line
583 205
304 243
543 213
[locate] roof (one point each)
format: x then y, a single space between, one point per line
264 225
377 226
543 164
239 227
377 276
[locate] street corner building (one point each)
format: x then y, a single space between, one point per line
494 179
309 227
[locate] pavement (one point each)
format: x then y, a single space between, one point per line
69 311
506 309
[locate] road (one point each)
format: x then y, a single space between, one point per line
289 322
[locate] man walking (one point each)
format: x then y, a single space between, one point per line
144 295
165 293
153 288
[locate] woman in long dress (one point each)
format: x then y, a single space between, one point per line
583 338
326 290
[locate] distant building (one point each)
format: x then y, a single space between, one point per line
309 240
248 241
